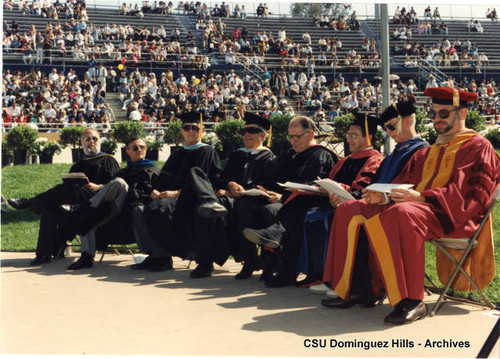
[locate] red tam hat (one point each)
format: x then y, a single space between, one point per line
449 96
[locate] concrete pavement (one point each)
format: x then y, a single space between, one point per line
111 309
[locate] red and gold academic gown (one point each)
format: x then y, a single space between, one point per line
457 180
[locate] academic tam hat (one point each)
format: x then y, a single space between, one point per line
449 96
402 108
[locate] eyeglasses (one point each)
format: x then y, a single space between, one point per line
352 135
442 113
88 139
190 127
136 148
296 137
251 130
391 127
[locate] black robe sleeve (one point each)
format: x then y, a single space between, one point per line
140 179
173 174
99 169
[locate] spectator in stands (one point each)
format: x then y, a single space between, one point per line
478 27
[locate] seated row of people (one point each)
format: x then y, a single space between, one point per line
194 209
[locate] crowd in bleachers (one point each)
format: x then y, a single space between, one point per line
49 102
151 99
70 9
75 39
339 22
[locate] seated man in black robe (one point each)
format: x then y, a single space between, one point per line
354 172
167 217
56 227
305 163
132 184
247 168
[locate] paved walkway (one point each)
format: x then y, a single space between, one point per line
111 309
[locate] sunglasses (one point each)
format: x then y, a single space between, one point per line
136 148
442 113
295 137
251 130
188 128
88 139
389 126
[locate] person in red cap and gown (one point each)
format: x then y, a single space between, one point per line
379 242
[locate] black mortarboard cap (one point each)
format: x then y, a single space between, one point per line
192 117
254 119
363 120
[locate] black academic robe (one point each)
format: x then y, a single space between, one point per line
248 169
56 227
304 167
174 172
99 169
214 239
169 220
140 178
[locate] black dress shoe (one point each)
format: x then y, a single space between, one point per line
212 209
85 261
269 237
363 301
145 264
19 203
40 260
159 264
279 280
406 311
247 271
202 270
308 281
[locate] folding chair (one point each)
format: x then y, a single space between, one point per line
466 244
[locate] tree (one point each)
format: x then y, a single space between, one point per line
312 9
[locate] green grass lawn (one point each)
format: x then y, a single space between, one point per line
19 229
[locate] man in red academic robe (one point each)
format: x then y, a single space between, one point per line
454 181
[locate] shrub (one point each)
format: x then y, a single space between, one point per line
229 134
341 125
280 129
125 130
6 149
474 121
22 138
420 121
430 134
173 134
493 135
153 143
49 149
108 146
71 136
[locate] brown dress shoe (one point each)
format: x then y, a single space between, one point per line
406 311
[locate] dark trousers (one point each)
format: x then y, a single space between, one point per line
56 227
361 276
292 216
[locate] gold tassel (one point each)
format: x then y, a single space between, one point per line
399 124
366 130
201 121
269 138
456 98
